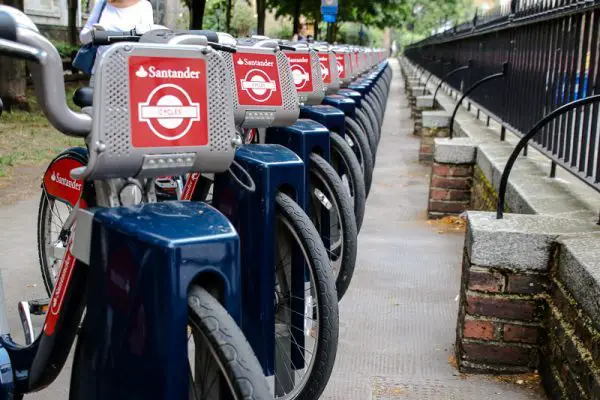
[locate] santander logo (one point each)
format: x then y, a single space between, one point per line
61 180
255 63
153 72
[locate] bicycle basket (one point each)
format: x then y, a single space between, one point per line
306 71
263 91
344 67
329 69
159 110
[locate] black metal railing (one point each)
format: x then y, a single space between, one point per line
552 48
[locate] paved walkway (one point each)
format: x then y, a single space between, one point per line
398 318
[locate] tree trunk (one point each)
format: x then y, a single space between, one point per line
13 83
197 13
260 11
228 12
296 28
72 21
317 22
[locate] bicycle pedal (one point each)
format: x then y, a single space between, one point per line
39 307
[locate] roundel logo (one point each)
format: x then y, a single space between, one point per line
168 97
169 112
340 68
257 79
301 77
258 85
324 71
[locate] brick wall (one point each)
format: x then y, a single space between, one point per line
449 189
570 350
428 136
500 319
417 116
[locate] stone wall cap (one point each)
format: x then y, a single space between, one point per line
455 151
436 119
579 271
425 101
518 241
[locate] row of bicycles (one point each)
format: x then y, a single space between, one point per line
198 245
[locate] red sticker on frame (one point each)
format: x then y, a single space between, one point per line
168 98
257 79
325 67
301 71
341 64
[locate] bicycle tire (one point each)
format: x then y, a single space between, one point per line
360 138
367 125
327 313
44 222
342 153
374 113
330 182
244 375
378 112
372 100
46 269
372 116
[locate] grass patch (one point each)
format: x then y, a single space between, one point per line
28 139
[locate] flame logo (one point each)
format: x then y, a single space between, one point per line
240 62
53 177
141 73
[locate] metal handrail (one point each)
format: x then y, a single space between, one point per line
475 86
523 142
445 78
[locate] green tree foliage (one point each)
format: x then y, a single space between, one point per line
350 33
427 16
242 19
215 15
283 30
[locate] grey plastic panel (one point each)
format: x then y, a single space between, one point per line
121 147
333 86
346 80
261 114
317 94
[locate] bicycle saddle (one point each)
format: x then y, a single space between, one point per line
83 96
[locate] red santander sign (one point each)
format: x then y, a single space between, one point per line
301 71
168 98
257 79
341 64
325 67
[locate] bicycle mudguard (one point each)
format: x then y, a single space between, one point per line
58 183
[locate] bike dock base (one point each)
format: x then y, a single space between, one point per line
330 117
142 262
273 168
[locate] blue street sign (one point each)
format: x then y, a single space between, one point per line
329 9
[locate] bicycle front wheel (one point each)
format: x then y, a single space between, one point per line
51 237
331 212
306 310
222 364
344 162
362 150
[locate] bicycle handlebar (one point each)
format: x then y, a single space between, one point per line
105 38
21 39
15 50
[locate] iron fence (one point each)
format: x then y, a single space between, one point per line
552 50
